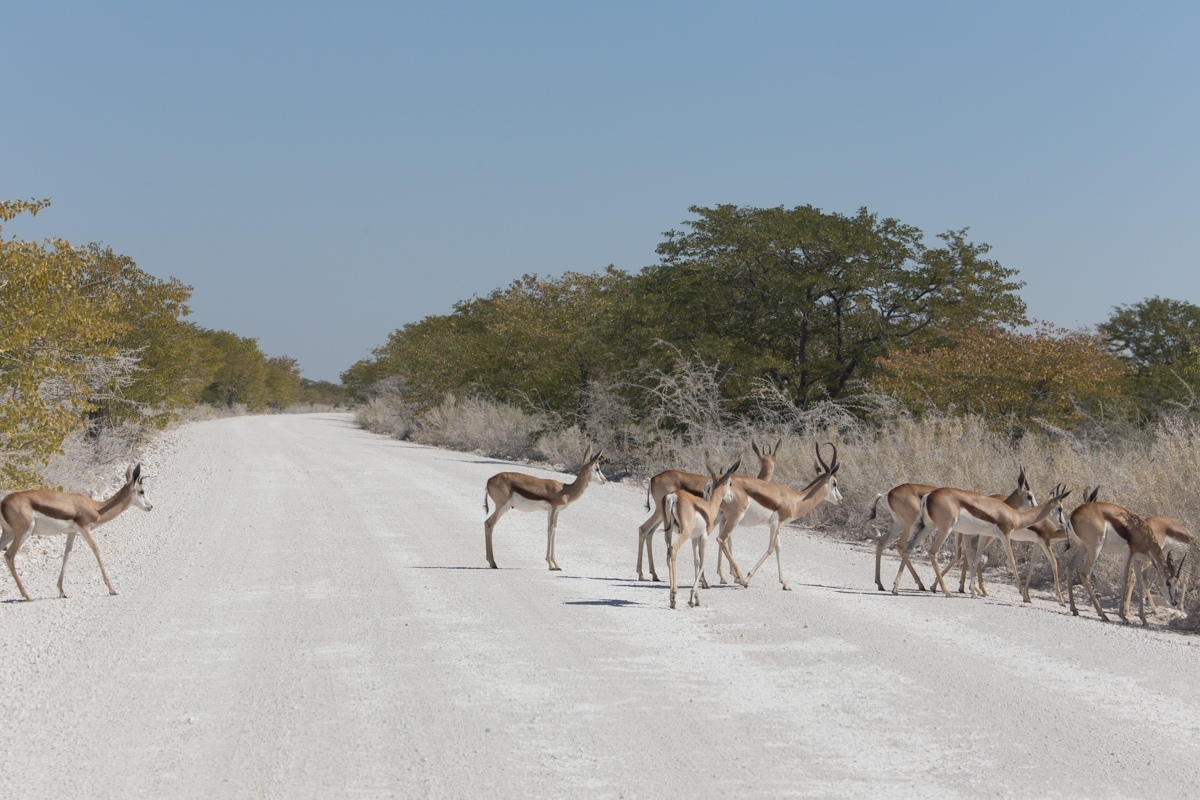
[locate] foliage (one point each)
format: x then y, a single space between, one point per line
809 300
1160 338
539 340
1050 375
59 328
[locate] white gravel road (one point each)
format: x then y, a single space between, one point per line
307 613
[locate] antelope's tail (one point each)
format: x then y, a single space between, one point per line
875 506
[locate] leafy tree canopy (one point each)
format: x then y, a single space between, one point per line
810 299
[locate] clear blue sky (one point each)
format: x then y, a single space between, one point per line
324 173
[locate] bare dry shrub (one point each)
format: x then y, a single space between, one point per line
478 424
91 464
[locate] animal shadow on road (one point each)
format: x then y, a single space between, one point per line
613 603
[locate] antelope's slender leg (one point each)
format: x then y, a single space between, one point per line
553 524
66 552
87 535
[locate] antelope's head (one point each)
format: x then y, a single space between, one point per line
766 458
134 479
828 472
1056 508
591 464
720 481
1026 492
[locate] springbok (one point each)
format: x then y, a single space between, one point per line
693 518
904 503
758 502
975 514
1175 537
530 493
44 512
1108 528
673 480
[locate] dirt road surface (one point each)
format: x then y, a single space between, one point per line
307 613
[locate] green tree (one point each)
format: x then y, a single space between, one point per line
241 376
1160 338
811 299
59 326
539 339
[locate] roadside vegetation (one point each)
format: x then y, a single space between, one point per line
96 354
916 358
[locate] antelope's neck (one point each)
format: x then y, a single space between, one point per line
114 505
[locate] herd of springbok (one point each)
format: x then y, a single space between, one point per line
689 506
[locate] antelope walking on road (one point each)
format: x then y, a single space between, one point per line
43 512
693 518
673 480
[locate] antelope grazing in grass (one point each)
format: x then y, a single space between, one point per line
1175 538
693 517
904 503
975 514
43 512
757 502
529 493
1108 528
673 480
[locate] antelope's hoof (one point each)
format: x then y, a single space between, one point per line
654 578
787 588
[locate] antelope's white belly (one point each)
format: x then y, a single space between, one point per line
49 526
971 525
1025 535
525 504
1113 545
756 514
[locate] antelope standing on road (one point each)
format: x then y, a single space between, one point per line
673 480
693 518
529 493
43 512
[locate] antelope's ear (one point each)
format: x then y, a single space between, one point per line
754 447
1022 481
134 473
775 451
735 466
587 454
596 457
1091 498
836 467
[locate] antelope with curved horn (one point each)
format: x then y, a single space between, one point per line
530 493
673 480
42 512
976 514
693 518
1108 528
757 502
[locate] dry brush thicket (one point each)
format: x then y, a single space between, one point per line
1150 470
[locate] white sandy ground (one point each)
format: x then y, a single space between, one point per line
307 613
